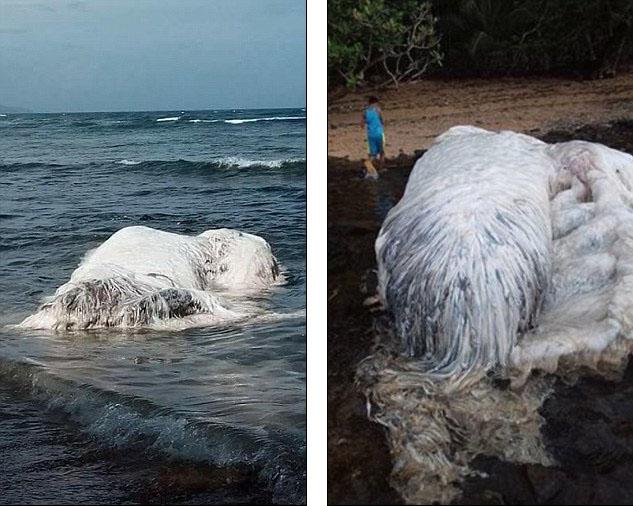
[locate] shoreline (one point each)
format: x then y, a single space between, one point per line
417 112
359 460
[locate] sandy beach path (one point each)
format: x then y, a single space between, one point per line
417 112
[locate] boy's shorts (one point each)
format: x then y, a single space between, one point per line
376 144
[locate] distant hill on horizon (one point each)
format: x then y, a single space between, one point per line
7 109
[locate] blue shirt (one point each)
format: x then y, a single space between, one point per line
372 120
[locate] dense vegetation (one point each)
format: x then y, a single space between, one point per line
381 41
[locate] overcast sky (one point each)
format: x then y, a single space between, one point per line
116 55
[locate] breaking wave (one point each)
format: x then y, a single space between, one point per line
116 420
229 162
230 121
141 121
239 121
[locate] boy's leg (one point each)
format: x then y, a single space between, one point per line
380 155
373 153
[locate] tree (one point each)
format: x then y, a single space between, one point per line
380 40
525 36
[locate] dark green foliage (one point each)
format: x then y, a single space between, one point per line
477 37
590 37
380 39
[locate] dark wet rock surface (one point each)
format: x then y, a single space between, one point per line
589 425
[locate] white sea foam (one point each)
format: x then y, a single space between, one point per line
239 121
233 161
245 162
273 118
505 255
144 277
173 118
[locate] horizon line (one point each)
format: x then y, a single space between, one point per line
182 110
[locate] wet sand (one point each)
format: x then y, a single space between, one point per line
589 428
358 457
417 112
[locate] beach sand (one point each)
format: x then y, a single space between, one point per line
588 429
417 112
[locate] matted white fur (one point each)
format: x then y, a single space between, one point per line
470 236
505 255
141 276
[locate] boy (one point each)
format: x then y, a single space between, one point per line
373 120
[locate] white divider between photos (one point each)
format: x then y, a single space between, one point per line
317 250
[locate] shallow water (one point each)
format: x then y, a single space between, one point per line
214 400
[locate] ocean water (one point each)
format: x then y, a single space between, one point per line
205 415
